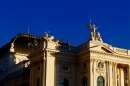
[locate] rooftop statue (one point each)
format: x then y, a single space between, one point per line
46 34
48 37
92 27
93 35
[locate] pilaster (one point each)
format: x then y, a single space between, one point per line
107 73
50 70
122 76
91 72
94 79
115 74
32 74
128 77
41 72
30 83
44 72
110 74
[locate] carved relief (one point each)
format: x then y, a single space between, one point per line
100 67
33 44
84 67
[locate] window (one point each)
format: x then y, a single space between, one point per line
64 82
100 81
84 81
65 66
84 66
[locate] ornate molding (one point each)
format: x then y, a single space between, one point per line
103 75
19 54
110 62
115 64
109 54
56 52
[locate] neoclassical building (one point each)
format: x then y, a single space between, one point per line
52 62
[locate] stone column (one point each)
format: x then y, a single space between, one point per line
107 73
91 72
128 75
110 74
115 74
50 64
118 76
122 77
94 78
44 72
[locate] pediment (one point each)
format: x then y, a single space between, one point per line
107 49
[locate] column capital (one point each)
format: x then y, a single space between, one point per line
44 59
92 59
115 63
110 62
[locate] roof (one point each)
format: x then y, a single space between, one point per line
4 49
20 44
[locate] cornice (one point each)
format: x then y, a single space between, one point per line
19 54
52 51
58 52
39 52
109 54
85 51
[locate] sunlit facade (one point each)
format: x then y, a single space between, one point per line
52 62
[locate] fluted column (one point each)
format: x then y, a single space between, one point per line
44 72
94 79
128 77
115 74
110 74
122 77
91 72
107 73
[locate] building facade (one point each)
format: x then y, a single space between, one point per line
51 62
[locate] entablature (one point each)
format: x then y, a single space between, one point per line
110 54
109 57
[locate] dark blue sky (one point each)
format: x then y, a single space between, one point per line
66 19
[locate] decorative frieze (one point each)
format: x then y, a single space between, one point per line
110 54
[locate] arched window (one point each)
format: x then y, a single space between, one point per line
64 82
38 82
84 81
100 81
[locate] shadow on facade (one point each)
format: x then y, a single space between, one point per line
17 75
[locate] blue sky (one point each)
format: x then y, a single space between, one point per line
66 19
